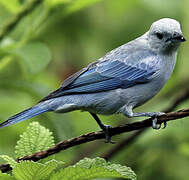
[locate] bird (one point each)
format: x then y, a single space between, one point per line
118 82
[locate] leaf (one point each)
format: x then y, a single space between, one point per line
35 56
71 6
28 170
56 2
4 176
79 4
12 5
94 168
9 160
36 138
5 61
60 164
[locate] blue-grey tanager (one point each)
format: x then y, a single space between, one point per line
120 81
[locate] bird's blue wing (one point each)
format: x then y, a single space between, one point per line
107 75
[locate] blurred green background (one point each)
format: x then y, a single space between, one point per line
58 38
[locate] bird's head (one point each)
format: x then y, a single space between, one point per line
165 35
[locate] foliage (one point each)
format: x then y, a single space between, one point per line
85 169
35 139
34 170
9 160
94 168
59 37
35 56
4 176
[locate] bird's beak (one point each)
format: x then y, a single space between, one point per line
177 38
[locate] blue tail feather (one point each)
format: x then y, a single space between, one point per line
24 115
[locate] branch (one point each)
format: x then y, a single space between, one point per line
129 140
16 19
126 142
99 135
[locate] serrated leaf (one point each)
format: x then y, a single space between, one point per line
29 170
9 160
94 168
60 164
4 176
35 56
36 138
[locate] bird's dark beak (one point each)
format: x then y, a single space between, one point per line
177 38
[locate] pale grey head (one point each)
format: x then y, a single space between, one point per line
165 35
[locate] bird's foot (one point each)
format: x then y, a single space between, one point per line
105 128
108 136
154 121
164 124
154 124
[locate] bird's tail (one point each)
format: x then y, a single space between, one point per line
24 115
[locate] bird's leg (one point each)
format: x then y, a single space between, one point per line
154 115
105 128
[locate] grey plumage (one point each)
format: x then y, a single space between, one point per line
123 79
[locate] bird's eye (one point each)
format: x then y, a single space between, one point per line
159 35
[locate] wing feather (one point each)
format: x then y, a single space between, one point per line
105 76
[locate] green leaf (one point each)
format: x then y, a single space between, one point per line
35 56
12 5
71 6
9 160
79 4
28 170
4 176
5 61
60 164
94 168
56 2
36 138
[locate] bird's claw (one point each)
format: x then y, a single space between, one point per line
164 124
156 126
108 136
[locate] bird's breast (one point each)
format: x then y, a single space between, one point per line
139 94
